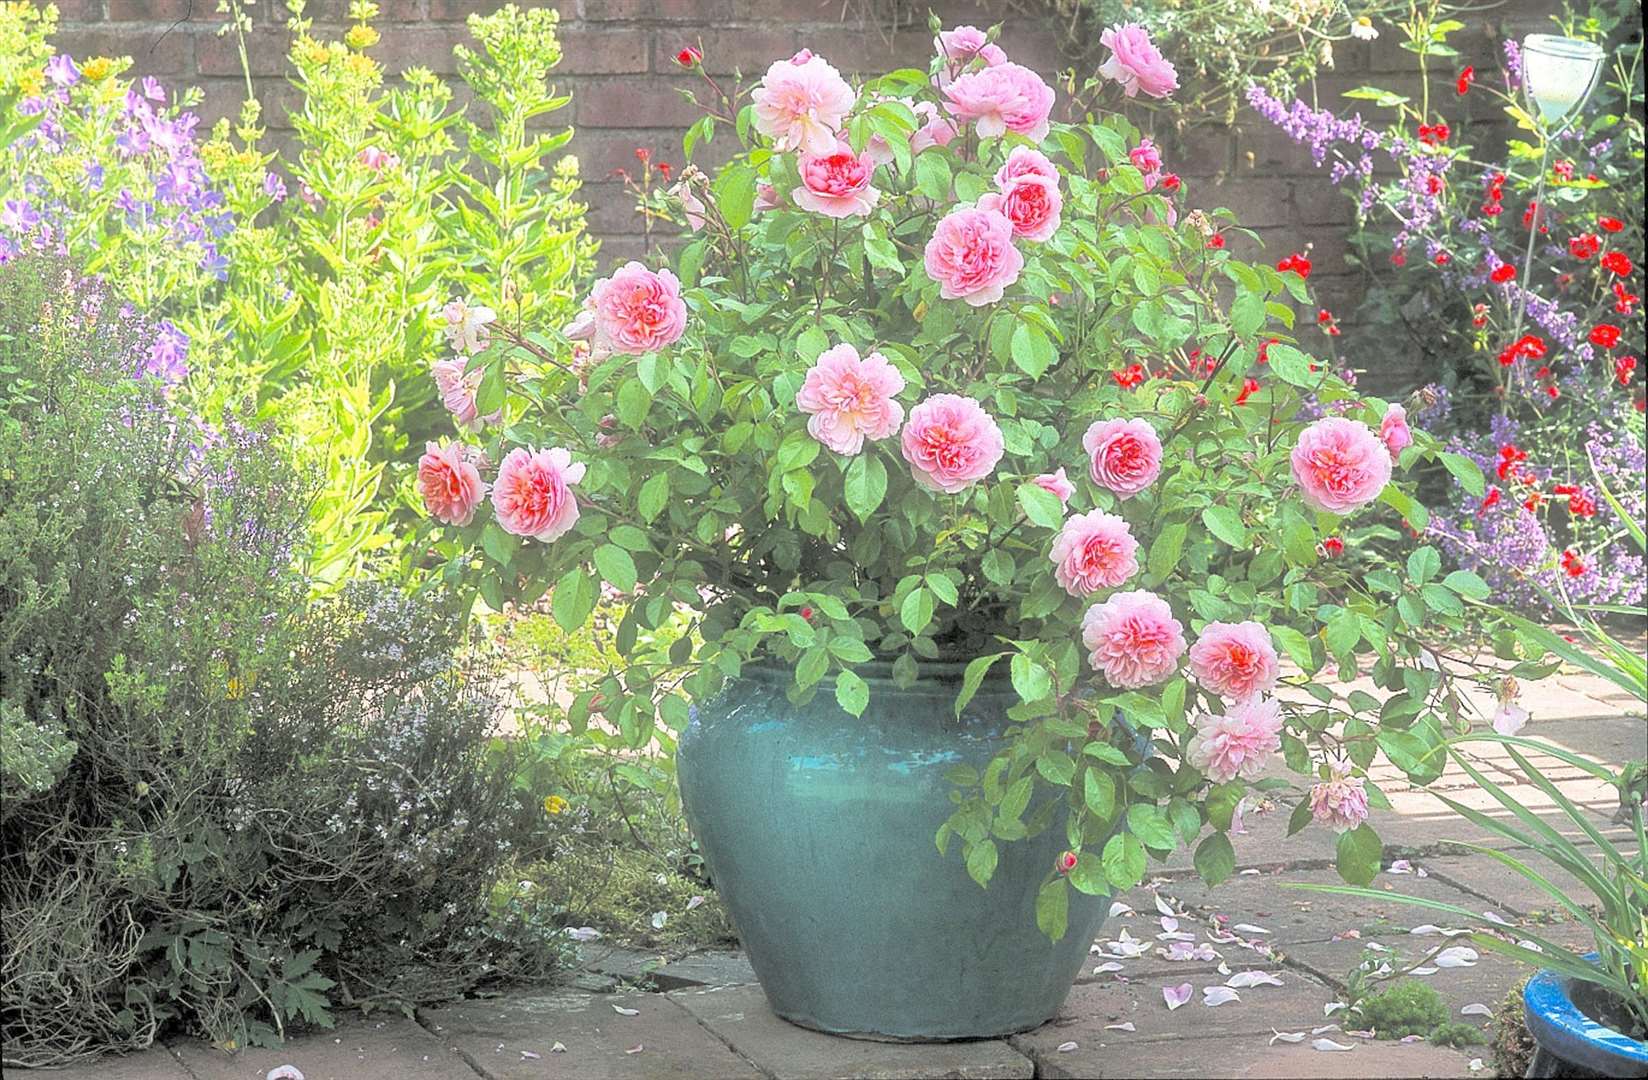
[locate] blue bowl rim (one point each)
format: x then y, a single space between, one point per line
1562 1027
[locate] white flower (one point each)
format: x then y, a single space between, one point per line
465 327
1363 29
1509 719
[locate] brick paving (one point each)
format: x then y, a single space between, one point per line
673 1018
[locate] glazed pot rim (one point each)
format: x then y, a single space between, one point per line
1561 1026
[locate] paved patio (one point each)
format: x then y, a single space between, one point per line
635 1016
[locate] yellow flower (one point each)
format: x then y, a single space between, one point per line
238 685
30 82
97 68
361 36
554 804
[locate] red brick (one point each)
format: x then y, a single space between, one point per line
265 52
787 12
604 52
157 51
460 10
600 151
166 11
430 47
701 12
751 51
629 102
870 51
1255 202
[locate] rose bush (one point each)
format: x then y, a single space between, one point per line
1064 446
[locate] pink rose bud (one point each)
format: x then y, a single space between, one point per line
1066 862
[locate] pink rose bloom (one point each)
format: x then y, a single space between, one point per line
1007 97
960 47
1136 63
1146 157
1125 455
1235 660
450 483
638 310
691 205
972 257
1340 803
1393 431
1133 639
1025 161
1239 743
533 496
458 389
1510 718
801 102
377 159
836 184
1058 483
466 326
767 198
950 443
937 131
1031 203
1094 551
851 399
1339 465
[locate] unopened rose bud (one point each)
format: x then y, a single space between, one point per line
1067 862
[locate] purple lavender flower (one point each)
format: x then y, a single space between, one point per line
61 71
1513 64
274 187
168 358
19 215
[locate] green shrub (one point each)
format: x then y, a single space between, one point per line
226 809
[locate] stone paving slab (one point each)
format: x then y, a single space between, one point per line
155 1064
740 1017
375 1047
712 967
661 1041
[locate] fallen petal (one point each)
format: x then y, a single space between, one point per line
1109 965
1332 1007
1411 1038
1250 871
1324 1028
1286 1036
1495 917
659 918
1475 1008
1400 866
1169 924
1118 909
1368 1034
558 1048
1162 907
1531 946
1249 928
1329 1045
1426 970
582 933
694 902
1377 947
1176 995
1476 1065
1426 929
1348 935
1243 979
284 1072
528 1055
1214 996
1066 1047
621 1011
1121 1027
1224 968
1457 956
636 1049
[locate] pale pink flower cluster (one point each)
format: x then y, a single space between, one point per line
972 257
458 390
951 443
1340 464
851 399
1124 456
1058 483
465 326
960 47
801 102
1025 161
691 205
1136 63
836 184
449 480
378 159
1094 551
936 128
1133 639
634 311
1394 431
533 493
1340 802
1235 660
1238 743
1002 98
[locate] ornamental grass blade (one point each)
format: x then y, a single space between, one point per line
1609 852
1544 884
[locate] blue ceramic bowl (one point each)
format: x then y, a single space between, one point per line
1564 1032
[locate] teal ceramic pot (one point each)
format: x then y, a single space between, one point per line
818 827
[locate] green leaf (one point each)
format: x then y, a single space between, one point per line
1291 365
1017 797
1467 584
734 191
981 861
1031 681
1466 471
1247 313
1057 766
1295 644
1423 564
1225 523
865 485
916 611
629 538
972 677
1215 859
1106 753
1041 506
574 599
851 693
1344 630
616 566
501 546
1124 860
1088 876
1359 854
1099 792
1150 825
654 496
1032 350
633 403
933 176
1165 550
1053 908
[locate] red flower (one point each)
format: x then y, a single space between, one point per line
1489 500
642 153
1433 134
1543 373
1433 185
1129 377
807 612
664 169
1297 263
1609 224
1623 368
1442 258
1171 182
1216 241
1564 170
1329 325
1604 335
1553 392
689 57
1502 273
1479 315
1331 548
1250 386
1466 77
1264 349
1584 245
1582 505
1066 862
1617 262
1572 563
1624 301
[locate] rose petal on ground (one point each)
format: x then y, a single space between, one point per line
1286 1036
1169 924
1109 965
694 902
659 918
1249 928
583 933
1475 1008
1118 909
1176 995
1121 1027
1330 1045
1348 935
1426 929
1495 917
558 1048
636 1049
1325 1028
284 1072
1476 1065
1531 946
1426 970
1411 1038
1377 947
621 1011
1250 871
1332 1007
1162 907
1066 1047
1400 866
1214 996
1456 956
528 1055
1243 979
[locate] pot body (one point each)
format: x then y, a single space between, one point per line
818 829
1570 1042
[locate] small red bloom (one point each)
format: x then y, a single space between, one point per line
1479 315
642 153
1264 349
1171 182
1610 224
1624 300
1399 258
1489 500
1433 134
1331 548
1543 373
1572 563
1617 262
1066 862
1297 263
1129 377
1216 241
664 169
1584 245
1564 170
1605 335
1466 77
689 57
1250 386
1623 368
1582 505
1433 185
1553 392
1532 502
1502 273
807 612
1442 258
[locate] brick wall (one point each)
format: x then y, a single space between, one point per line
620 70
